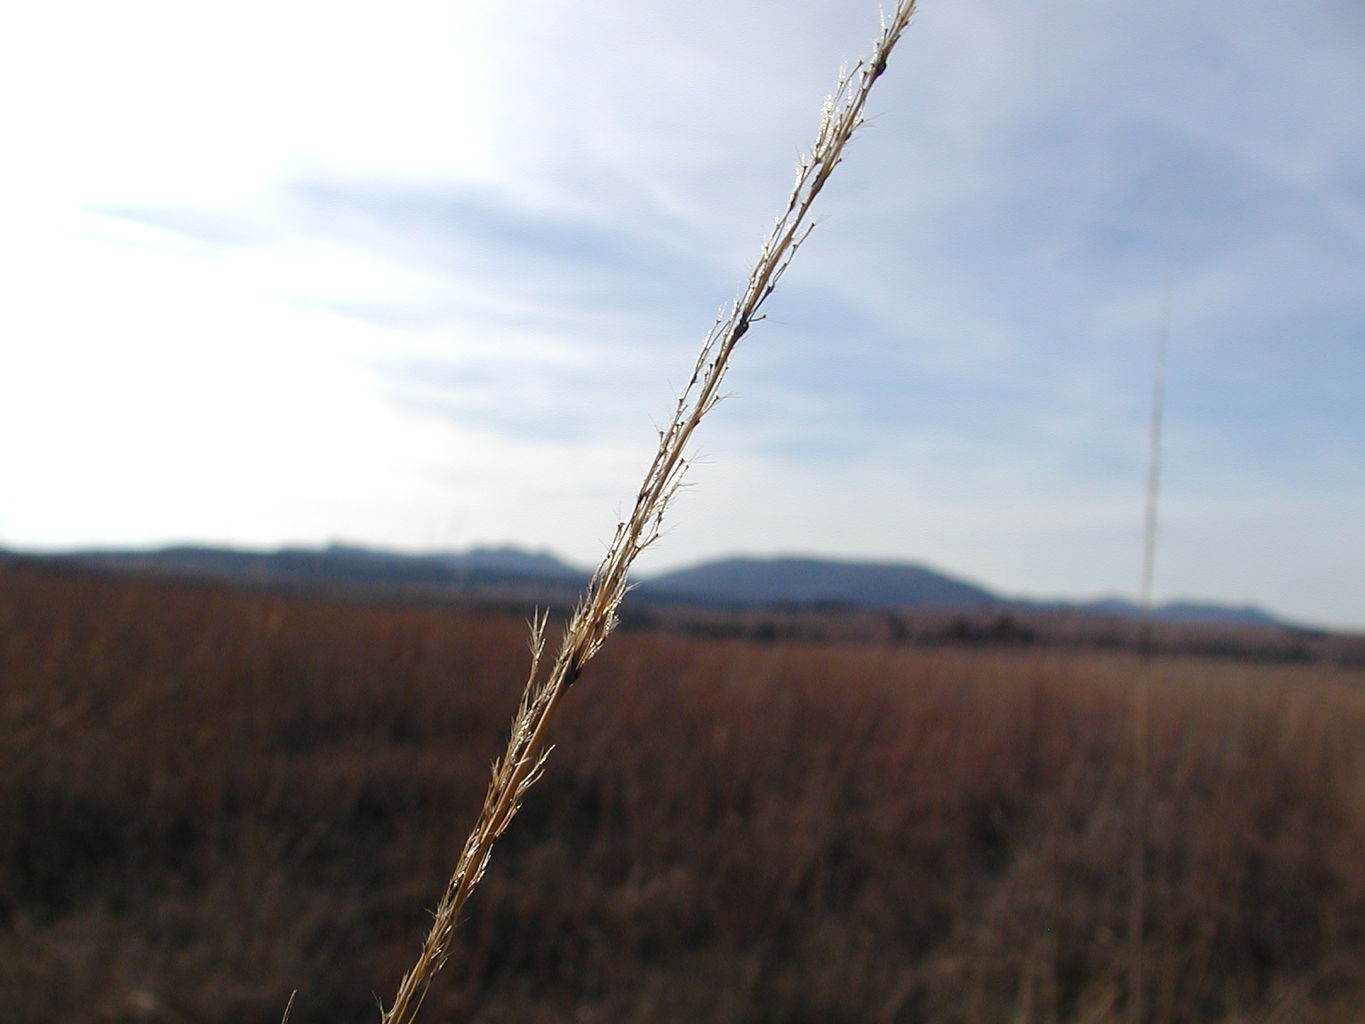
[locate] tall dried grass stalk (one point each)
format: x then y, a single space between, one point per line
1142 694
595 616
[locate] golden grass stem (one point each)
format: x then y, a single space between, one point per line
596 614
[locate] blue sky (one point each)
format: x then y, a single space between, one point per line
428 277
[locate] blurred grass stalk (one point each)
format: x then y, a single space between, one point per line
596 614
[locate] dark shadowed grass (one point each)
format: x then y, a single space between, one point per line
211 798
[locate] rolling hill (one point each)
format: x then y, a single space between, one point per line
740 581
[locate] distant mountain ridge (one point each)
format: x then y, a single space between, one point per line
1193 612
757 582
804 581
736 581
345 564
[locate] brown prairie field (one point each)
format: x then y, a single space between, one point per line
211 797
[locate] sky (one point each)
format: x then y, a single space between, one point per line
430 275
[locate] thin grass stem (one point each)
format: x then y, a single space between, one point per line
596 614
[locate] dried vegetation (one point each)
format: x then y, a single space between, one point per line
212 797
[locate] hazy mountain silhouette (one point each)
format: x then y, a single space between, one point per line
540 575
349 565
1185 610
788 581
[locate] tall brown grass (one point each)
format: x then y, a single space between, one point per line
210 798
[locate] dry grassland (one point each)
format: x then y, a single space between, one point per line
210 797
